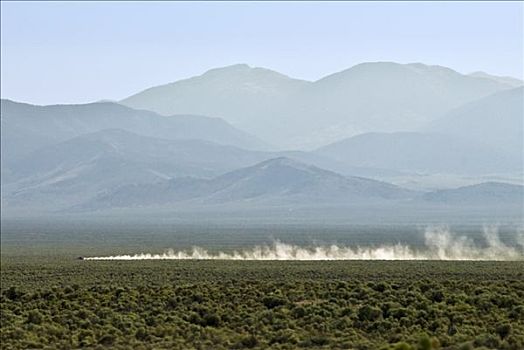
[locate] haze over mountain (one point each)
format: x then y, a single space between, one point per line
496 120
165 158
276 181
285 183
422 153
291 113
26 128
74 170
465 129
487 193
505 80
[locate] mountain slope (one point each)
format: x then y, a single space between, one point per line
175 157
420 152
25 128
276 181
250 98
505 80
487 193
289 178
376 96
386 96
496 120
81 167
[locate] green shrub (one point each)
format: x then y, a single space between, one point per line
34 317
272 301
107 340
503 330
369 313
249 341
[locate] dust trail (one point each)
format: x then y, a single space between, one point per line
440 244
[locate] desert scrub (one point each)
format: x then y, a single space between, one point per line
74 304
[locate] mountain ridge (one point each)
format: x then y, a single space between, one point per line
419 152
486 193
371 96
275 181
495 120
26 127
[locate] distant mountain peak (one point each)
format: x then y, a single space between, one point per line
371 96
281 161
415 66
243 69
285 162
422 68
483 193
511 81
385 69
239 67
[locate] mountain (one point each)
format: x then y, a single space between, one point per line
276 181
79 168
386 96
26 128
173 158
514 82
284 177
421 153
250 98
487 193
496 120
291 113
159 158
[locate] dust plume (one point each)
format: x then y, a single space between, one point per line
440 244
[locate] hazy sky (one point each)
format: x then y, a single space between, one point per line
59 52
